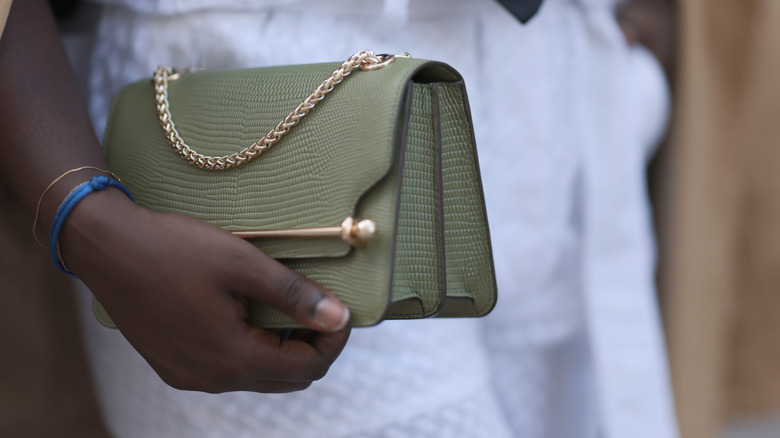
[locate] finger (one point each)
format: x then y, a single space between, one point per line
268 281
293 360
304 335
192 382
329 346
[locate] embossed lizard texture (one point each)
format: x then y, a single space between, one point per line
469 267
418 267
338 162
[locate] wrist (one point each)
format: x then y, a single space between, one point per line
92 224
55 194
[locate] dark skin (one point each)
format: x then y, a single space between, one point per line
176 287
179 300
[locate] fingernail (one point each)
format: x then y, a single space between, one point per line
331 314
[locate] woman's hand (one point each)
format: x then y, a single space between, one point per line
177 288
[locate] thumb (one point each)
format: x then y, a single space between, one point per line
268 281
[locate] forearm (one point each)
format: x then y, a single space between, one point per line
44 125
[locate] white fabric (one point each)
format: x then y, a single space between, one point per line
565 116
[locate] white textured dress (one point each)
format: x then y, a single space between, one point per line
566 115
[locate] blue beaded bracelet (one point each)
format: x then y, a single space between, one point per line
96 183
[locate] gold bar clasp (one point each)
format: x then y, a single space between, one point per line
354 232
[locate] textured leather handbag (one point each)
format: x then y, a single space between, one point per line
375 193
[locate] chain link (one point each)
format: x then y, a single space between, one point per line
365 60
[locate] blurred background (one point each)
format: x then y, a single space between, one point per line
715 187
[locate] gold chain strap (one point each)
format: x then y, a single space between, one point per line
365 60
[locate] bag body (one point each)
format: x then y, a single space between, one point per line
394 145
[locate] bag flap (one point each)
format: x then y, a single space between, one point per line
314 176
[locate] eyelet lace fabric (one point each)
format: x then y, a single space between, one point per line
565 117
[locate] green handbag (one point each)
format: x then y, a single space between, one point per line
375 193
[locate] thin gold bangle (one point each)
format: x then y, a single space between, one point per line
59 251
62 262
38 207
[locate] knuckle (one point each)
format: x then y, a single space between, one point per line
316 370
208 386
302 386
211 388
218 382
319 374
